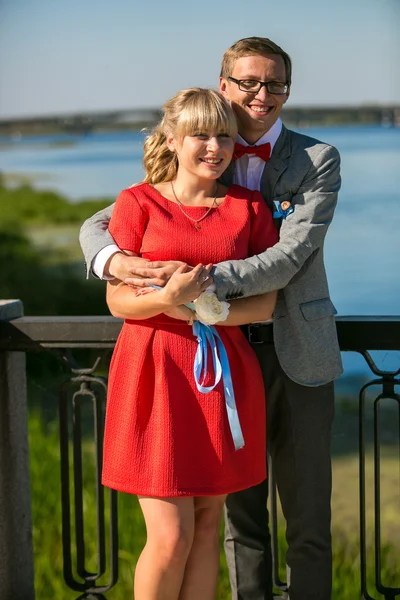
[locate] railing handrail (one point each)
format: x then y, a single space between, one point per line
356 333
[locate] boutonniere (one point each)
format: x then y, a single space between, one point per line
283 209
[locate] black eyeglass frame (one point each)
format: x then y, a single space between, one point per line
261 84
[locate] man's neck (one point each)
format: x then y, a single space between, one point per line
251 137
269 135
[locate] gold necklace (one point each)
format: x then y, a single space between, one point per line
195 221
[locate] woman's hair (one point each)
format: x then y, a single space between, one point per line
190 111
254 46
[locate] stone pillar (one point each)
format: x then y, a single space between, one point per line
16 550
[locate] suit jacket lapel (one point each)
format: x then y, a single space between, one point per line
275 167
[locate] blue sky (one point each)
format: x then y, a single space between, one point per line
60 56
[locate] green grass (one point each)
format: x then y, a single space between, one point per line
48 219
57 243
26 205
46 507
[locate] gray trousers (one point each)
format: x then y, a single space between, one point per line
299 422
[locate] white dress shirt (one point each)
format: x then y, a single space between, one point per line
248 172
249 167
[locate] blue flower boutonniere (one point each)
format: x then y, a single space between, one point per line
283 209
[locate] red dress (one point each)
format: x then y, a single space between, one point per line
163 437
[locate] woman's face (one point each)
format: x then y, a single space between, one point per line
206 154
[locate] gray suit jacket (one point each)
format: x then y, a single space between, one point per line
305 172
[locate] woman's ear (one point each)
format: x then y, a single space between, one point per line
170 143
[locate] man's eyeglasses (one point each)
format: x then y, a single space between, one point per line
253 87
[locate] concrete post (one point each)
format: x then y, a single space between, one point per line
16 550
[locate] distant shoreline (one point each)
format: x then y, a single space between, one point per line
137 119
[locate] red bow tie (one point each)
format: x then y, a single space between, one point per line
262 151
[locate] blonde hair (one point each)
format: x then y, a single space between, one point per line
254 46
190 111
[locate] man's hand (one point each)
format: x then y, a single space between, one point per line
155 273
120 263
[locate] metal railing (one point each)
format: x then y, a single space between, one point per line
65 335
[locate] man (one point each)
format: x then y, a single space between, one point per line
299 353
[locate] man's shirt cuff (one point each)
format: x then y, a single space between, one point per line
99 261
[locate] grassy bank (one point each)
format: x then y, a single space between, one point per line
45 481
25 205
41 260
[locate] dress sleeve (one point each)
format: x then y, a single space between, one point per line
263 232
128 222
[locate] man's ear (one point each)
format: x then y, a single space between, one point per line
223 84
287 95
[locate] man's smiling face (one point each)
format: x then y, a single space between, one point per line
256 113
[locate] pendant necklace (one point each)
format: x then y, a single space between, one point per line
195 221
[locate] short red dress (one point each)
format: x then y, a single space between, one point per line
163 437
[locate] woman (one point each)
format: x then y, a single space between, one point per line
165 440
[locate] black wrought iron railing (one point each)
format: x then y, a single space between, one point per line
68 335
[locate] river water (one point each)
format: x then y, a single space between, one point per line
362 249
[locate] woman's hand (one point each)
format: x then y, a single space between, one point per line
143 291
186 285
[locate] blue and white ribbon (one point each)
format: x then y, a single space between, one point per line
208 335
280 213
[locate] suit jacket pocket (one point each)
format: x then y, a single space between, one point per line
318 309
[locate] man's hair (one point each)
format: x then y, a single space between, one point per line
252 46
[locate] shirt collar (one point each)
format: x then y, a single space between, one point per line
270 136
